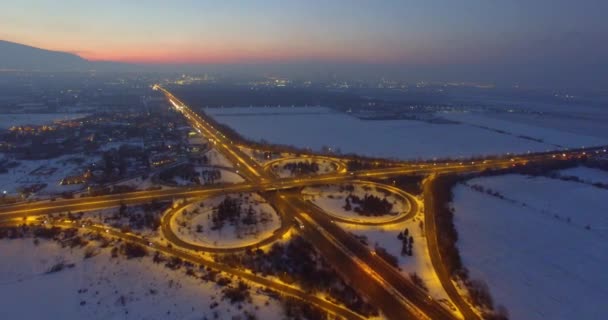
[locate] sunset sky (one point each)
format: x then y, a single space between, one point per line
401 31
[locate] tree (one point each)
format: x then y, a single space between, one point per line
347 206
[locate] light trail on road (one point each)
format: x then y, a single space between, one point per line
329 239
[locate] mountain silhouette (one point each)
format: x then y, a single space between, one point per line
15 56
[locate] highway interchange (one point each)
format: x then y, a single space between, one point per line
380 283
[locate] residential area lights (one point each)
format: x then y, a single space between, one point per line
396 296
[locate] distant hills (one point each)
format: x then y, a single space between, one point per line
16 56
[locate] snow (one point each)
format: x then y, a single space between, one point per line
141 183
50 171
230 177
325 166
420 262
226 175
590 175
551 137
580 119
582 204
28 293
13 119
533 247
405 139
185 224
332 200
218 159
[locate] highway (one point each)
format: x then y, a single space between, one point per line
218 140
396 296
430 228
329 247
378 294
108 201
385 275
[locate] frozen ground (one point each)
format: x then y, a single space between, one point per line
226 175
590 175
325 166
316 127
540 244
94 287
332 200
8 120
141 183
194 223
260 156
549 136
579 119
49 171
218 159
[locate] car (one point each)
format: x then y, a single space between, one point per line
299 222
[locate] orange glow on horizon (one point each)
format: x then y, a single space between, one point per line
226 57
235 53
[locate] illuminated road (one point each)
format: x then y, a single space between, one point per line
396 293
410 199
170 235
217 139
115 200
199 260
397 297
340 166
432 241
388 282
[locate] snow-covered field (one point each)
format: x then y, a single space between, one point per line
93 288
586 174
332 200
579 119
316 127
193 223
13 119
549 136
540 244
48 171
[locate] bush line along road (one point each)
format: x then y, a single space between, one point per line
381 284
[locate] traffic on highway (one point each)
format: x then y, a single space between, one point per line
380 283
